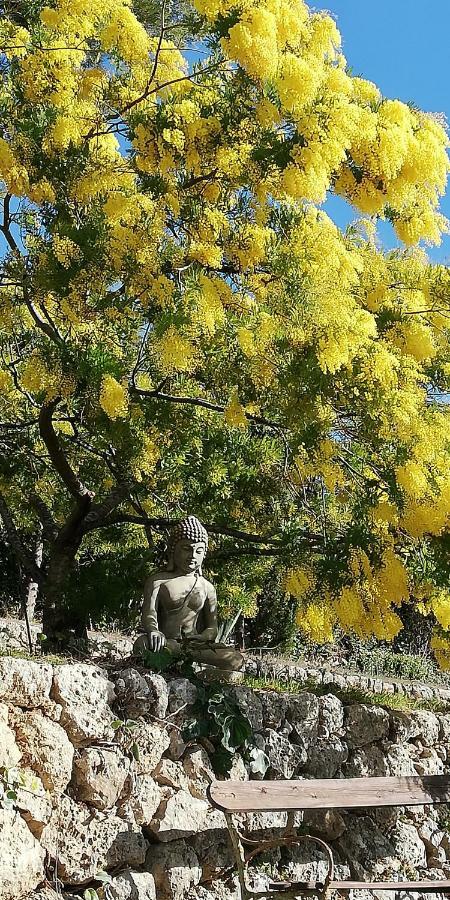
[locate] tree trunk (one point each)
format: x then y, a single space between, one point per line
59 623
31 587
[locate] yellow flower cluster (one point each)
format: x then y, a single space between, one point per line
365 607
174 352
65 250
113 398
234 413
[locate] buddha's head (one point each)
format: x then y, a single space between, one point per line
187 546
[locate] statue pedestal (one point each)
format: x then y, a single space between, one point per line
213 674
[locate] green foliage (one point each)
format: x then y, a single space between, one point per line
216 716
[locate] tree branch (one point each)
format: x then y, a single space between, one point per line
199 401
161 523
60 462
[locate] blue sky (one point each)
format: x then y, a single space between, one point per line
401 45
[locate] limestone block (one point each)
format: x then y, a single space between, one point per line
131 886
274 706
84 840
179 816
328 824
142 695
307 862
325 758
9 751
400 759
403 727
366 849
431 835
444 728
99 776
182 694
145 799
45 748
427 726
171 774
176 746
303 714
21 857
214 852
369 760
284 758
407 844
33 801
175 868
331 716
151 741
365 724
429 763
250 705
198 771
25 683
84 693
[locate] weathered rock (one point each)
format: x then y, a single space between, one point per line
45 748
142 695
84 840
250 705
331 716
407 844
84 693
145 798
175 868
400 759
182 695
365 724
274 706
306 863
25 683
177 745
429 763
21 857
369 760
214 852
366 849
171 774
150 741
303 714
328 824
179 816
99 776
9 751
284 758
403 727
198 770
131 886
325 758
444 728
427 726
33 801
432 836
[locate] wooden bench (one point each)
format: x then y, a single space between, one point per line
234 797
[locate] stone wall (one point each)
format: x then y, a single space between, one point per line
131 801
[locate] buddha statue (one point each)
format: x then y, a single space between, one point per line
180 604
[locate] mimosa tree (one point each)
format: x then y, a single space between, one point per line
183 329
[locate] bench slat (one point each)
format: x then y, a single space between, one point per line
329 793
418 886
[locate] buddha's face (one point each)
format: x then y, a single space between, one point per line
188 555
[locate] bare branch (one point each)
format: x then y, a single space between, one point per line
199 401
48 434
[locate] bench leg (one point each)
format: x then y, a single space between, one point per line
288 890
